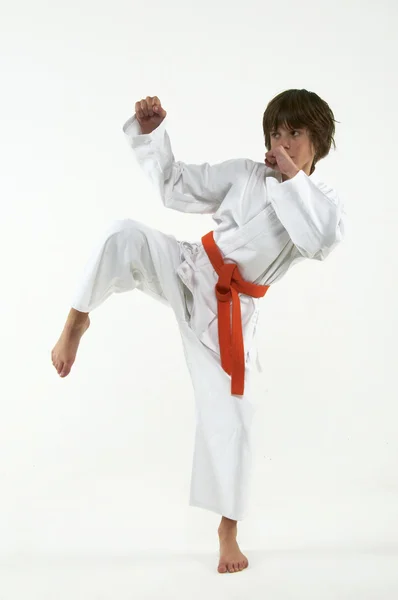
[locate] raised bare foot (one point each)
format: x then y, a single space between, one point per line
64 352
231 558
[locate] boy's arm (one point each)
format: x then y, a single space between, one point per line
184 187
311 212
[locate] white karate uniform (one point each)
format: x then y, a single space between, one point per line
262 224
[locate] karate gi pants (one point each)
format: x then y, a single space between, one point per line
132 255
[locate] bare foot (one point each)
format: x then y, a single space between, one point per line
64 352
231 558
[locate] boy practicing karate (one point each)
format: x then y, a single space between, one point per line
268 218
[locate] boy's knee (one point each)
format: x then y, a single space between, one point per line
126 229
122 225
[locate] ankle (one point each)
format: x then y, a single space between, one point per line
227 526
76 320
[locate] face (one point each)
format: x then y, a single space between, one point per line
297 144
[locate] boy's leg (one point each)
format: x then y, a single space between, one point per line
130 256
222 458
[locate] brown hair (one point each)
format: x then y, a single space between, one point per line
301 108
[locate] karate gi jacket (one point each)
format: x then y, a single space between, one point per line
261 223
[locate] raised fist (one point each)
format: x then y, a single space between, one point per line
149 113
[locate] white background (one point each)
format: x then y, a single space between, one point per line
98 463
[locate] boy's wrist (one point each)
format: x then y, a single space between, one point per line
292 173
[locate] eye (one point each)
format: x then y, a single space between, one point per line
275 133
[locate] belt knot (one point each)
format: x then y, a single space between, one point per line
230 283
224 283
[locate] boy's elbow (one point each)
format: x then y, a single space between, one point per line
320 247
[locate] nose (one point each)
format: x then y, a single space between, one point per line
284 142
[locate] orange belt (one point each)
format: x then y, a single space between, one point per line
229 283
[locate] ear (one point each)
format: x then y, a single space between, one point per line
313 149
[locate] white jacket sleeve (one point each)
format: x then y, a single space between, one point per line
184 187
312 214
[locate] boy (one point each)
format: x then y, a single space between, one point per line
268 218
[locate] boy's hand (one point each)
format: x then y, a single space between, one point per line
149 113
279 160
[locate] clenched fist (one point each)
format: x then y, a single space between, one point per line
279 160
149 113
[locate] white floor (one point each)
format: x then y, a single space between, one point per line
310 574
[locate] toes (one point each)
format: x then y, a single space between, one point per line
233 567
65 369
236 566
68 367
